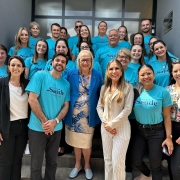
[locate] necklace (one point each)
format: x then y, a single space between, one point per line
15 83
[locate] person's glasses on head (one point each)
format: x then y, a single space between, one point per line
78 26
84 47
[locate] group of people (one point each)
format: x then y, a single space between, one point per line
57 90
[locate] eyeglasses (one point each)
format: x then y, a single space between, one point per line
85 60
84 47
123 57
78 27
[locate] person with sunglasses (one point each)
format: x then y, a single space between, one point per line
74 39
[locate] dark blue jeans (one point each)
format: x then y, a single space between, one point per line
40 143
12 149
152 139
175 158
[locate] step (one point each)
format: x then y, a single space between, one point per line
63 174
68 160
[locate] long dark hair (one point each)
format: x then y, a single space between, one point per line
22 76
35 57
151 53
172 81
168 58
65 41
126 37
141 60
88 38
90 48
142 45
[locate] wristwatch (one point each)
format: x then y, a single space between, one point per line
57 120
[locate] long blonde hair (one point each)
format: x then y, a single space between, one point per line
108 83
17 41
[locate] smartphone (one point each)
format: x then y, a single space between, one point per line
165 150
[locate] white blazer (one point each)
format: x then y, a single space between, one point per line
118 112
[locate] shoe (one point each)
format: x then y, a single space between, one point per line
61 153
27 150
74 173
88 174
129 176
143 177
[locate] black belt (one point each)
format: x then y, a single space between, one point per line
150 126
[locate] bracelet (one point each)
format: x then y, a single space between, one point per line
170 136
57 120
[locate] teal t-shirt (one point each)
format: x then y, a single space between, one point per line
146 42
52 95
134 66
3 71
106 54
131 76
148 107
33 68
24 53
100 41
70 65
154 58
33 41
125 44
161 70
51 47
72 41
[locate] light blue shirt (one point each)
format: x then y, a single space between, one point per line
106 54
154 58
148 107
161 70
3 71
33 41
33 68
134 66
125 44
51 47
72 41
100 41
70 65
146 42
131 76
24 53
52 95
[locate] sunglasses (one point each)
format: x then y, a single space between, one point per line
78 27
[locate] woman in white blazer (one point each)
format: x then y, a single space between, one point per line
114 106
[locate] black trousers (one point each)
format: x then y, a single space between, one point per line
12 149
152 139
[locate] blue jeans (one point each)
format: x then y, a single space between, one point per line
12 149
39 143
152 139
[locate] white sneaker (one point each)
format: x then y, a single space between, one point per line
27 149
143 177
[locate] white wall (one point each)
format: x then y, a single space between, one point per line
13 14
172 38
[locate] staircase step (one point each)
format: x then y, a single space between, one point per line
68 160
63 174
